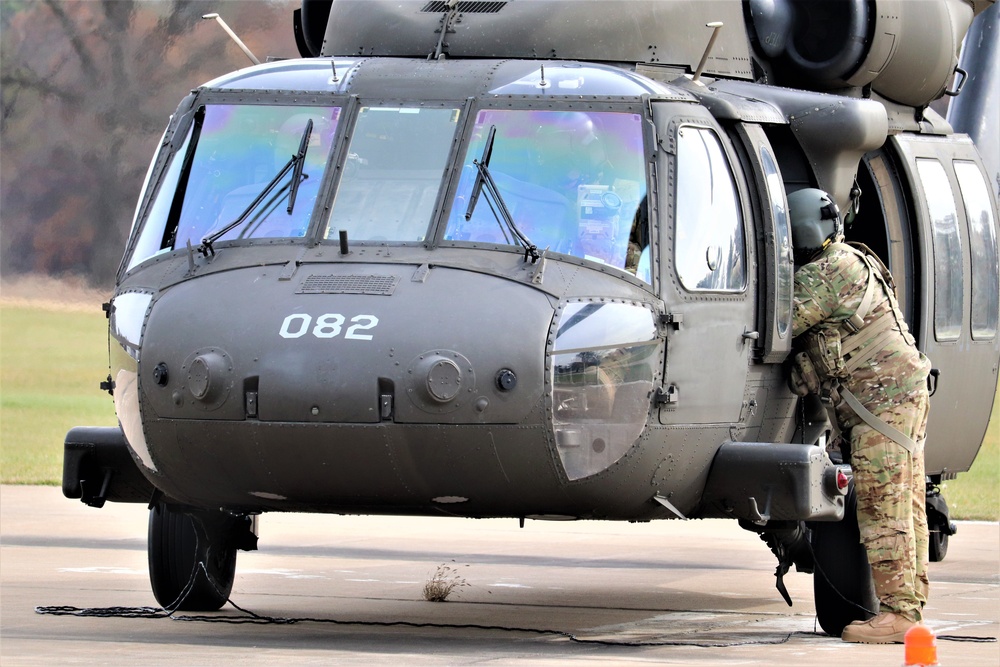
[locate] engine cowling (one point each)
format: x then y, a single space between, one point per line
906 51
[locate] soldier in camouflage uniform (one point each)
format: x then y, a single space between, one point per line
849 323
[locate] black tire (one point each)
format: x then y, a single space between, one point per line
842 583
939 524
937 543
191 565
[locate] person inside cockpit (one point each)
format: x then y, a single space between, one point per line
566 153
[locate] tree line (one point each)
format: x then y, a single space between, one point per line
87 88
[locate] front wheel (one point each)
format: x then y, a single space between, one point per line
842 583
192 563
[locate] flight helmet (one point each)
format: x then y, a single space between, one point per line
815 221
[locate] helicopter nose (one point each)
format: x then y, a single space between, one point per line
412 354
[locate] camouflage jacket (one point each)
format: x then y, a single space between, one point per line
828 291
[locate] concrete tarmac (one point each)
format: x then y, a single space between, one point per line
349 591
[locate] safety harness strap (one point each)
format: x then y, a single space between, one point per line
855 341
855 362
875 336
854 334
857 320
885 429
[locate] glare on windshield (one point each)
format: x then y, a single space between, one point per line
231 154
573 181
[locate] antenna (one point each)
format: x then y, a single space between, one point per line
232 34
716 26
451 10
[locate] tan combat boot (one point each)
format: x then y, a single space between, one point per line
886 628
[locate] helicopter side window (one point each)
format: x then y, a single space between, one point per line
948 292
783 241
574 182
710 248
393 173
982 238
150 241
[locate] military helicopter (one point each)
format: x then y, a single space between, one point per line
531 259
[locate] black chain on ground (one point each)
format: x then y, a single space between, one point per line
258 619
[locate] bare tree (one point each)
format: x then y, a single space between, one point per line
87 87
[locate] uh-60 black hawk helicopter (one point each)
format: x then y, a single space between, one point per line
531 259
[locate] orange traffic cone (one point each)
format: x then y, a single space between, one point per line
920 647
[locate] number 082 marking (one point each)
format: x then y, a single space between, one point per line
329 325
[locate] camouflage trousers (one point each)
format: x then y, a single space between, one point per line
890 484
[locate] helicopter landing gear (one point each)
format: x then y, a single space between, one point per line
192 555
937 547
842 583
939 524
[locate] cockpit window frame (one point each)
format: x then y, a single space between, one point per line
176 136
336 171
624 105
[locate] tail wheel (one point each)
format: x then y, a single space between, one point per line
191 561
938 545
938 523
842 583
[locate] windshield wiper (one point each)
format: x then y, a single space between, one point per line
485 179
295 164
300 161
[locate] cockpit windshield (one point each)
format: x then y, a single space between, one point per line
231 154
573 181
393 172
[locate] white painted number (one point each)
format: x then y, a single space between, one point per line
328 325
286 331
352 331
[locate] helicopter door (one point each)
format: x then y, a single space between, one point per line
705 276
776 273
956 218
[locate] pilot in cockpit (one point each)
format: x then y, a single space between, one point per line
568 153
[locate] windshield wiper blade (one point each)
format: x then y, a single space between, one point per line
295 162
300 161
485 179
477 186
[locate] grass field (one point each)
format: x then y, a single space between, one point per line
52 360
51 365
